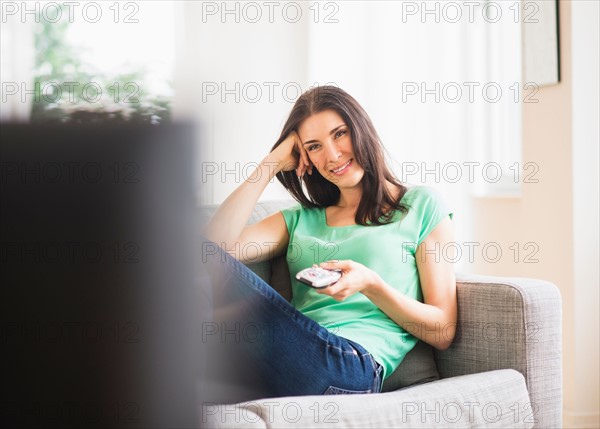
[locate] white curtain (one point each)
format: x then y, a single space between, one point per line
375 52
16 68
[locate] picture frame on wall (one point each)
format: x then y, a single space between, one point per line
541 52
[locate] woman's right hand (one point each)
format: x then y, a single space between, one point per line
290 155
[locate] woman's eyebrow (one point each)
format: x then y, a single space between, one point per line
330 133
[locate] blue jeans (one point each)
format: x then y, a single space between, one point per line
262 340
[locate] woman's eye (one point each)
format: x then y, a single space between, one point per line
313 146
340 133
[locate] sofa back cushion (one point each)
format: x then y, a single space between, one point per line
418 367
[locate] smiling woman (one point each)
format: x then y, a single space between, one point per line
350 335
339 139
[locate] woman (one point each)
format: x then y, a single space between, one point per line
355 216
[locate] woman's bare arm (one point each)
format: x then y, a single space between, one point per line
433 321
269 237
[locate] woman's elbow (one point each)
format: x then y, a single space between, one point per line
446 337
441 346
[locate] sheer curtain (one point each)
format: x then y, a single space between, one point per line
16 68
419 76
389 66
428 73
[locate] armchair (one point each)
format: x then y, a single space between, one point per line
503 369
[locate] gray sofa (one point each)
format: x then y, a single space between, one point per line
504 368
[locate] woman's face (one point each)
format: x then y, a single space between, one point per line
327 140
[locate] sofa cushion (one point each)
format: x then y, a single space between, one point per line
417 367
491 399
280 277
261 269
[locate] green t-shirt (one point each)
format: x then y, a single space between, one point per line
388 250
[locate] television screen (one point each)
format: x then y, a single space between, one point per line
102 295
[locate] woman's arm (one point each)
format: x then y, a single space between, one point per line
434 320
269 237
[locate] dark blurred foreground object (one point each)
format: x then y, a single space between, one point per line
102 294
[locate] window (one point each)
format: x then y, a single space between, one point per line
94 61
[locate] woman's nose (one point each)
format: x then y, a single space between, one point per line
333 153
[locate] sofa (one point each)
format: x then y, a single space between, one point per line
503 369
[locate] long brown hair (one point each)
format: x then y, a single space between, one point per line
377 205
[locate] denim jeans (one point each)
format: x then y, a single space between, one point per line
262 340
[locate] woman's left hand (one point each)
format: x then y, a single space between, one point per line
355 278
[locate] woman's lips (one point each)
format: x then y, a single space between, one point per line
342 168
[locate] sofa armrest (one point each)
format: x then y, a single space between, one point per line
510 323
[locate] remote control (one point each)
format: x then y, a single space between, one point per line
318 277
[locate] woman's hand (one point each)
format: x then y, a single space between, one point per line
290 155
355 278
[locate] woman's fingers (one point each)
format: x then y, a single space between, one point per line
293 139
304 159
301 159
333 264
